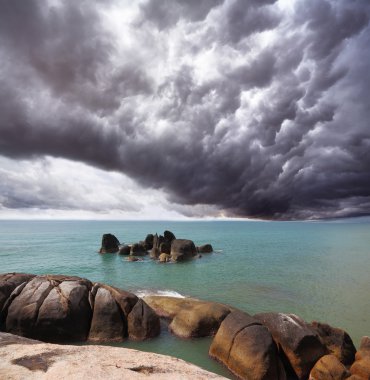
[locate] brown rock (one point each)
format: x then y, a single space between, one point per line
329 368
182 249
246 348
107 323
206 248
168 237
109 244
298 341
337 341
143 322
203 319
361 366
164 258
165 248
154 253
138 249
125 250
149 242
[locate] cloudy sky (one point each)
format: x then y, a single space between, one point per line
184 108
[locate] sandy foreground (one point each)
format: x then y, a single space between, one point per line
26 359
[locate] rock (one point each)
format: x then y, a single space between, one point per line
190 317
337 341
109 244
165 248
33 360
58 308
299 342
246 348
149 242
199 321
47 308
138 249
125 250
154 253
9 282
107 324
133 259
207 248
182 249
361 366
143 322
164 258
168 237
329 368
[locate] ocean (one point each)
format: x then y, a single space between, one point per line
317 270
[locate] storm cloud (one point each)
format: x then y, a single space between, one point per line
254 108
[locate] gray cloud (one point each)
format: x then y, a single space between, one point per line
246 107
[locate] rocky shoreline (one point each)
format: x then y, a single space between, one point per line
265 346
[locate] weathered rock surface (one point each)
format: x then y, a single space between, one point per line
246 348
182 249
109 244
164 258
337 341
22 358
299 343
206 248
165 248
190 318
329 368
57 308
149 242
168 237
361 366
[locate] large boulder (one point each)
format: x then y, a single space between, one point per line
109 244
47 308
143 322
182 249
168 237
165 248
298 342
125 250
149 242
247 349
190 318
361 367
164 258
206 248
337 341
138 249
57 308
9 282
329 368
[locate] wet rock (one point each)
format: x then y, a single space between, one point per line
164 258
125 250
246 348
329 368
337 341
138 249
154 253
149 242
299 343
168 237
165 248
182 249
109 244
206 248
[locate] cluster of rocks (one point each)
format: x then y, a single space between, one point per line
55 308
267 346
164 248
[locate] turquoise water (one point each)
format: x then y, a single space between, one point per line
318 270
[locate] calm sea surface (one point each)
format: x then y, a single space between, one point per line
317 270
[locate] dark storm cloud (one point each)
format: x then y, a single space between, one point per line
276 126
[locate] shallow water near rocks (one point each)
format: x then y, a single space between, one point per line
317 270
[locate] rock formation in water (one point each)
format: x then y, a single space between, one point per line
109 244
57 308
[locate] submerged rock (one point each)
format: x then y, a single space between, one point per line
206 248
109 244
182 249
246 348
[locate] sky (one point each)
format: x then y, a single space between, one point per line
174 109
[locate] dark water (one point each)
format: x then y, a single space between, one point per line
319 270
